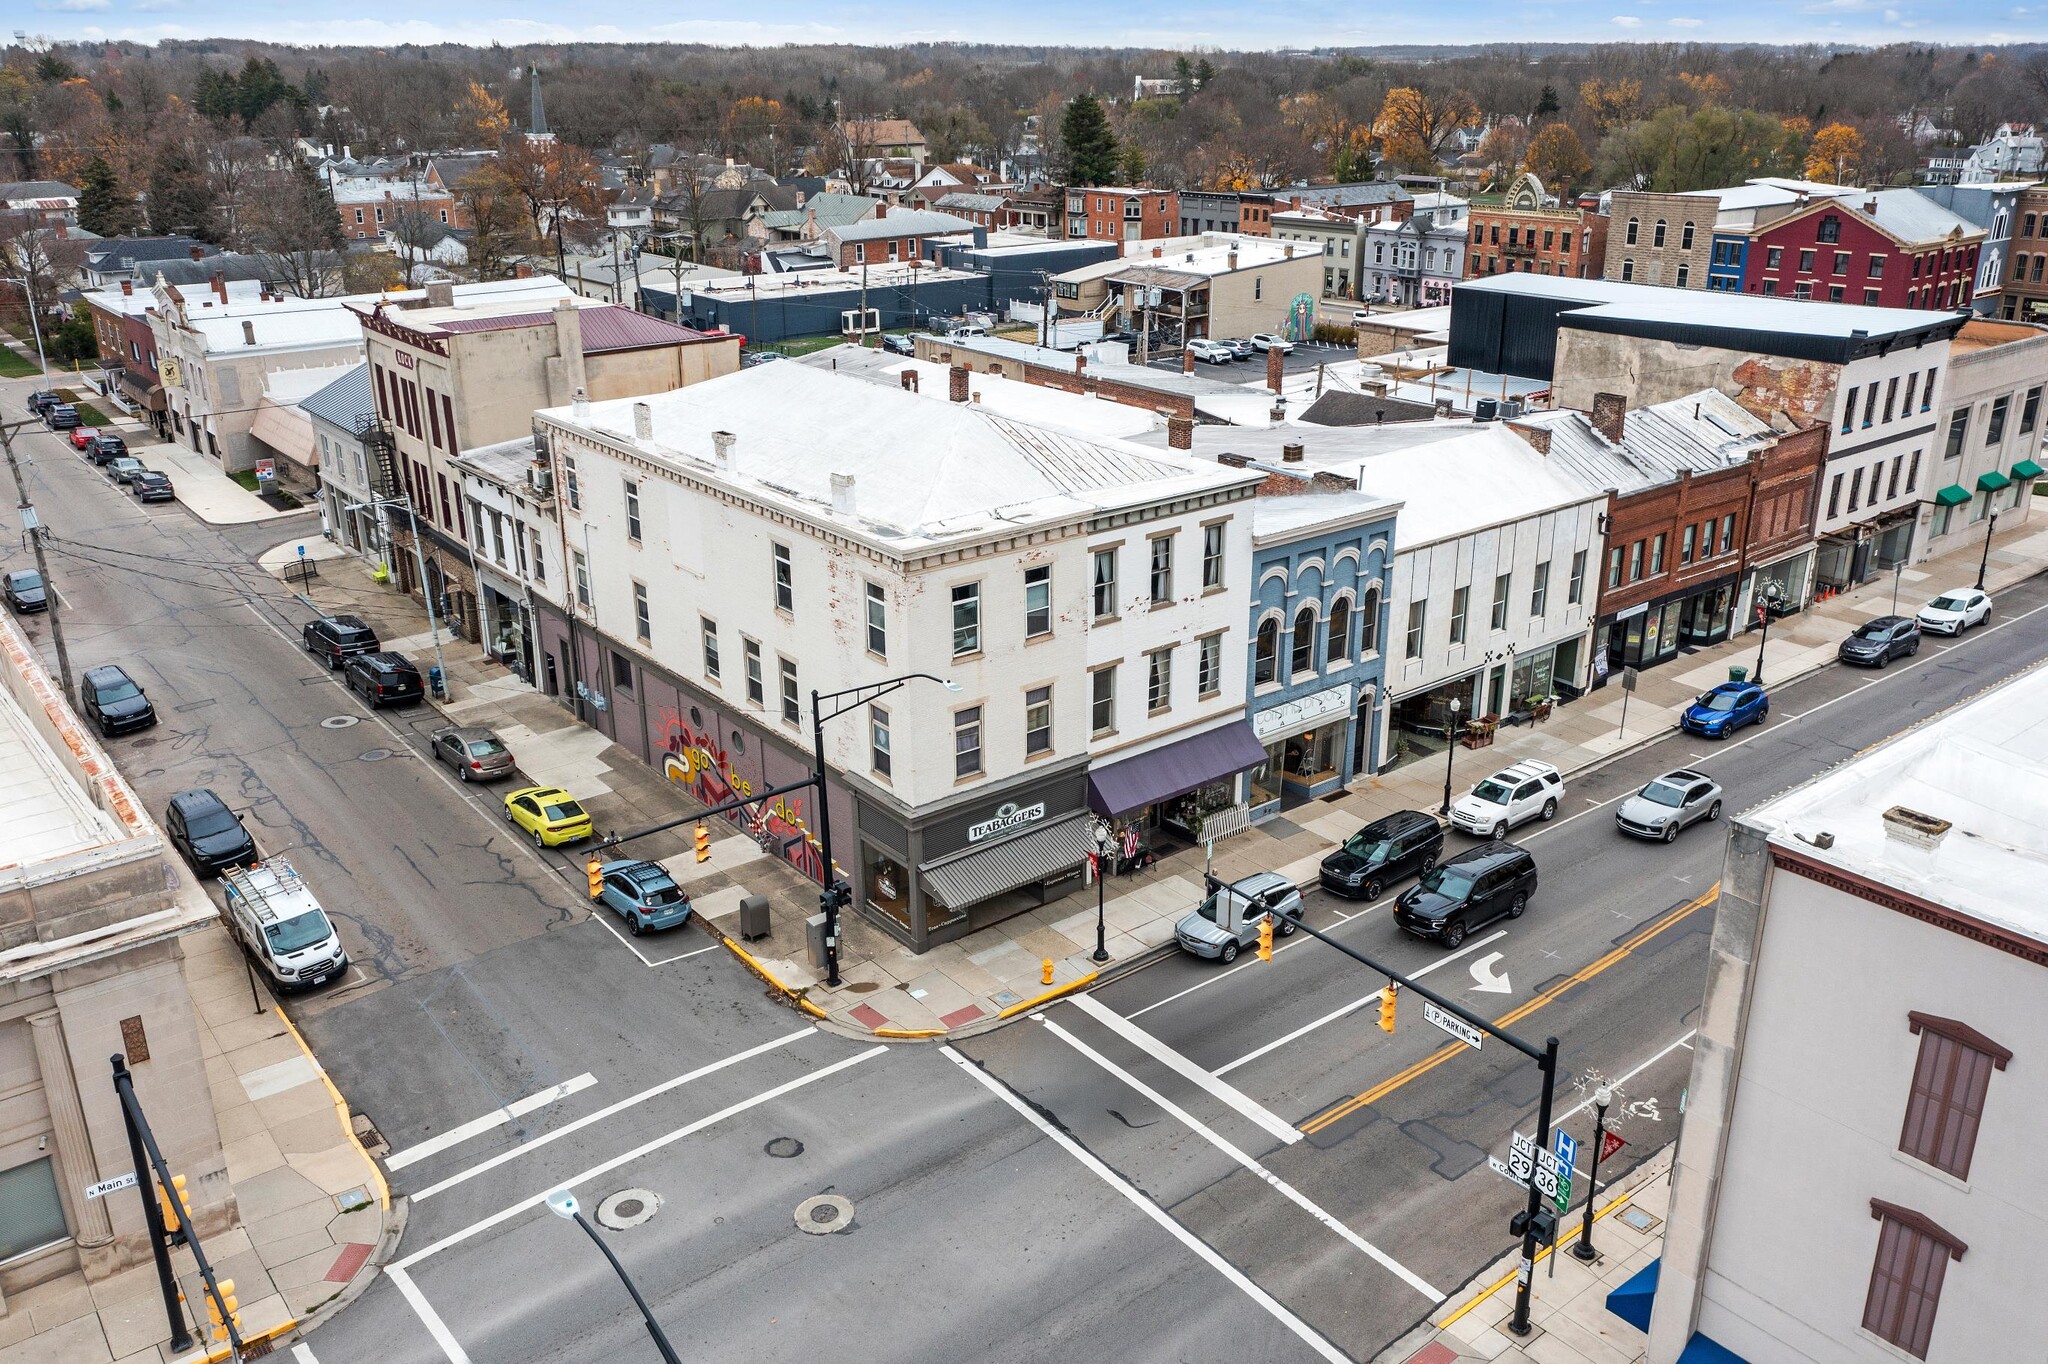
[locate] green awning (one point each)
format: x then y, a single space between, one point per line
2026 468
1992 481
1954 495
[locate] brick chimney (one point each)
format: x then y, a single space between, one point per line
1277 413
1610 412
1157 252
127 287
881 210
1232 258
908 378
1537 436
1276 368
1180 433
1187 361
248 332
1294 452
1080 362
220 286
956 384
197 252
1870 207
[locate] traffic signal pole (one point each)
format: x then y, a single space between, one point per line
1545 1058
152 1214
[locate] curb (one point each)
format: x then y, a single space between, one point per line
792 995
1056 992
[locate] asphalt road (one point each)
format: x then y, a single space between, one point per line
1192 1163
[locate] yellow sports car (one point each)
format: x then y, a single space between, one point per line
550 814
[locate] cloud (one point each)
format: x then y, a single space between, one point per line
1687 23
152 6
72 6
1627 21
1839 7
1891 16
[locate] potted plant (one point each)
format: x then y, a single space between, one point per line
1539 706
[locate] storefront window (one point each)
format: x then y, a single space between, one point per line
1265 778
888 885
30 1213
1312 756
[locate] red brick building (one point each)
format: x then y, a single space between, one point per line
1891 248
1109 213
1571 242
892 234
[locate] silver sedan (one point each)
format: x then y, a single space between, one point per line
1669 803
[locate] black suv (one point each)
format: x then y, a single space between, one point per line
41 401
111 700
337 639
1876 643
1405 843
1479 885
206 832
384 679
105 448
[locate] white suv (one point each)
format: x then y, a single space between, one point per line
1514 795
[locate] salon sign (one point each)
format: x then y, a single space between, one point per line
1011 816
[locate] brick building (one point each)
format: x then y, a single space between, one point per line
1568 242
2026 284
1892 248
890 235
1111 213
1660 238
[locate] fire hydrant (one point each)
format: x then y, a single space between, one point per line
1045 972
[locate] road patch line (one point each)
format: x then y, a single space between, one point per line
621 1106
1308 1334
1185 1068
1286 1190
436 1327
644 1149
476 1127
1354 1006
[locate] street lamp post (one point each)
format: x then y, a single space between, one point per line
1103 838
563 1204
35 325
1450 753
1769 596
1602 1097
837 894
1984 562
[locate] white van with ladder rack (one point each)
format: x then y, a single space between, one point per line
282 925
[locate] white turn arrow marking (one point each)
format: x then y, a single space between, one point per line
1485 979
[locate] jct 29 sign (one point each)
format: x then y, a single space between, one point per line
1012 816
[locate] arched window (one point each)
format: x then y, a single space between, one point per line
1302 658
1339 650
1657 237
1369 624
1628 269
1633 225
1685 238
1266 655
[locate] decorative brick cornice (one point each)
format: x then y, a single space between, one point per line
1912 906
407 336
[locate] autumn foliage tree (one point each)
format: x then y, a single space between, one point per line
1414 125
1835 155
481 119
1556 158
1611 104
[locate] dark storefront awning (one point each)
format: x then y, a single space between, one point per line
1175 769
2026 469
147 394
1954 495
971 877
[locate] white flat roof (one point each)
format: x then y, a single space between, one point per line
1982 766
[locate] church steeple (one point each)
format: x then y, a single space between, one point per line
537 128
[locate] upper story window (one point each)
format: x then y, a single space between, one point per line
1266 652
878 621
1657 236
966 619
1830 229
1105 583
1162 570
785 583
632 506
1212 554
1685 237
1037 601
1629 237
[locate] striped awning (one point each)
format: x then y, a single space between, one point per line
1991 481
1954 495
971 877
2026 468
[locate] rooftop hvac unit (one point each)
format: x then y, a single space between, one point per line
1486 409
1510 408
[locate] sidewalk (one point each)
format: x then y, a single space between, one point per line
314 1209
1568 1303
973 982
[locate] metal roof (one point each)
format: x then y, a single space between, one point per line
344 401
606 327
902 222
1703 432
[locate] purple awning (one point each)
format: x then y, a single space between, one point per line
1176 769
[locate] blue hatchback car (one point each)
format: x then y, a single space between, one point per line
1727 708
644 894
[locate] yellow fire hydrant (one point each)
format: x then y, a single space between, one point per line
1045 972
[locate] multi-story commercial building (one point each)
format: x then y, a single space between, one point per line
370 205
1369 201
1237 211
1986 453
1889 248
1113 213
1232 286
1660 238
517 550
1878 982
1415 261
1995 207
2026 284
1339 240
1522 233
733 545
352 484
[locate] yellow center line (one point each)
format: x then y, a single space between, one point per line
1344 1108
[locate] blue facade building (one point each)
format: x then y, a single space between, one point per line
1724 269
1321 555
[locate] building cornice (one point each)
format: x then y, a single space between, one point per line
1912 906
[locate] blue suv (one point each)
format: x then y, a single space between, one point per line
643 894
1727 708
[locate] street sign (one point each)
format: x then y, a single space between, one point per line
1452 1024
1546 1161
266 469
1611 1143
1500 1167
1546 1180
1521 1157
107 1186
1567 1148
1628 679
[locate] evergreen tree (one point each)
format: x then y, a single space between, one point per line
1090 145
1183 76
1546 103
180 199
102 208
1204 73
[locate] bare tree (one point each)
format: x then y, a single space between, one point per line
296 227
235 168
40 258
851 141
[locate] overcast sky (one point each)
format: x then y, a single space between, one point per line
1175 24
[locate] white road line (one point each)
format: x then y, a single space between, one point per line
1308 1334
1187 1069
1286 1190
436 1327
1228 972
644 1149
1354 1006
455 1136
1561 1119
621 1106
303 1353
624 942
685 956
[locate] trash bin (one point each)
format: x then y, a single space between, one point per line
814 938
437 684
1738 673
754 918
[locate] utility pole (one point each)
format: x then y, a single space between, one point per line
32 527
860 321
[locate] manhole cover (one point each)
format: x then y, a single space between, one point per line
373 755
341 721
784 1148
824 1214
628 1208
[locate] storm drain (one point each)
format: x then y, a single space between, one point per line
628 1208
373 755
340 721
824 1214
784 1148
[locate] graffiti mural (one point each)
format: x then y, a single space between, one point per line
1301 318
693 758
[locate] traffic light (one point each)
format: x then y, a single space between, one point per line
596 877
703 844
217 1327
1266 938
1387 1008
177 1208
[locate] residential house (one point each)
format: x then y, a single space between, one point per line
352 484
945 178
113 259
1995 207
1236 211
2026 286
1878 984
888 236
1986 454
1415 261
885 139
808 221
1888 248
1080 596
1702 500
282 432
1230 286
369 205
1523 232
2016 150
1113 213
629 217
1038 211
463 372
40 203
988 211
720 220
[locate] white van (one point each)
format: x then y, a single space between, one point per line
282 925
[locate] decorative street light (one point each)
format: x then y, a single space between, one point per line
1450 753
1104 838
562 1204
1602 1097
1769 597
1985 561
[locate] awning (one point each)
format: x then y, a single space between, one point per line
1700 1350
1954 495
149 395
2025 469
1632 1301
1991 481
1174 770
969 878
